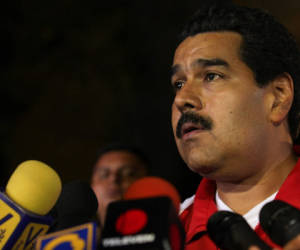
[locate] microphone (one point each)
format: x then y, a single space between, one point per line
76 205
230 231
74 229
280 221
152 186
146 220
30 194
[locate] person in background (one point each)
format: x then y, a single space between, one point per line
117 166
235 116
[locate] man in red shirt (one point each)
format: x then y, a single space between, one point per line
235 115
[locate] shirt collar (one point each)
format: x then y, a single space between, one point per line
204 206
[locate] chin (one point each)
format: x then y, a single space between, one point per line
114 197
202 159
204 170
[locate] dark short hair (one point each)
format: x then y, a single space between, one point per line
267 48
127 148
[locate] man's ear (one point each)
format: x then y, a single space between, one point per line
282 88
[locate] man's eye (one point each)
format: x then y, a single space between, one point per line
127 172
103 174
178 85
212 76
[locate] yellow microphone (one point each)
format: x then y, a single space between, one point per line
30 194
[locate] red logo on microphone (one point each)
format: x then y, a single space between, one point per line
131 222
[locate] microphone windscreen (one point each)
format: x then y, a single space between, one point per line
34 186
230 231
280 221
76 205
152 186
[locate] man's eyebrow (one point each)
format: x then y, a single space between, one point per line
175 69
210 62
203 63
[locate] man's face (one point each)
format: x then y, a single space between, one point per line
219 114
113 173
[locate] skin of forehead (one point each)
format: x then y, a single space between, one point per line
198 43
117 159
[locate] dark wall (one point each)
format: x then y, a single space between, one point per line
76 75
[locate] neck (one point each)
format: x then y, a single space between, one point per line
101 213
244 195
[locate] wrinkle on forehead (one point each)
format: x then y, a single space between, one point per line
199 43
200 62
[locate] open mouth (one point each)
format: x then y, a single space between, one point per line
189 128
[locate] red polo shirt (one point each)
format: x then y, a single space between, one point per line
195 217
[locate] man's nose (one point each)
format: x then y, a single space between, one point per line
116 178
188 98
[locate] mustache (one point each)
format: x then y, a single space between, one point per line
205 122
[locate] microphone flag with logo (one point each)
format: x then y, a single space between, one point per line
83 237
147 220
150 223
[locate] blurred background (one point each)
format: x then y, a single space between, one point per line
76 75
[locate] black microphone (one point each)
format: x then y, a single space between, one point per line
149 223
76 205
147 220
230 231
280 221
